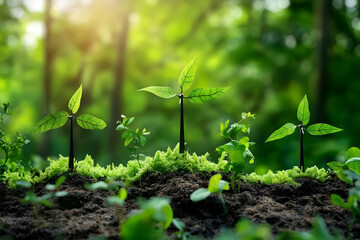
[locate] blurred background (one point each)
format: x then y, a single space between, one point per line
271 53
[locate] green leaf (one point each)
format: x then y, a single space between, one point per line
202 95
164 92
303 113
319 129
142 140
178 224
223 185
126 134
51 121
352 152
187 75
120 127
90 122
60 180
23 183
74 102
95 186
61 194
199 195
122 194
129 120
214 183
128 140
337 200
354 164
282 132
114 200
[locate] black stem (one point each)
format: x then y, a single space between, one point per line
302 167
182 138
71 154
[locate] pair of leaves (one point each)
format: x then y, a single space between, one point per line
216 185
303 114
187 76
57 120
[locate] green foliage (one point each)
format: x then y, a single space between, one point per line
216 185
202 95
112 187
352 163
57 120
287 176
237 149
187 76
9 146
51 121
188 73
137 137
87 121
155 215
319 129
45 199
303 115
74 102
163 162
282 132
163 92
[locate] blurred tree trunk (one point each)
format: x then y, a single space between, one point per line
117 107
323 42
47 78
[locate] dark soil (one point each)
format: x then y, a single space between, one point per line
84 214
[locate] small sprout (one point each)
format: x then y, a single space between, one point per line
303 115
198 95
57 120
216 185
237 149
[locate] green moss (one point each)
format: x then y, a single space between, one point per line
162 162
287 176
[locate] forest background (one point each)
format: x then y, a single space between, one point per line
271 53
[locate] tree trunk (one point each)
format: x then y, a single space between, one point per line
47 78
117 107
323 43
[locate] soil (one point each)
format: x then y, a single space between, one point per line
83 214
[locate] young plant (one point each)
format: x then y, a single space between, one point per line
237 149
115 200
198 95
57 120
30 197
303 115
216 185
10 147
352 163
150 222
137 138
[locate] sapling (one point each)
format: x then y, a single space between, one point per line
198 95
115 200
57 120
216 185
303 115
237 148
30 196
10 147
137 137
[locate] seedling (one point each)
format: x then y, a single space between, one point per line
150 222
10 147
57 120
137 138
115 200
303 115
216 185
237 148
181 234
30 197
352 163
198 95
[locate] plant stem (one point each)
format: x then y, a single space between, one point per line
302 167
223 203
71 154
182 138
